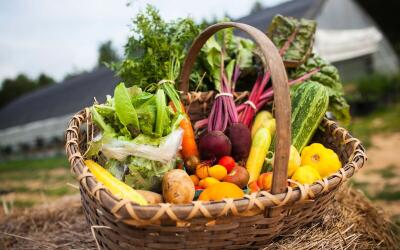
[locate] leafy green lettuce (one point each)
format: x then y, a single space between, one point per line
137 123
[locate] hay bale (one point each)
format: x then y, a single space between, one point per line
58 225
352 223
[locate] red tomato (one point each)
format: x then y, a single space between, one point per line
253 186
228 162
198 188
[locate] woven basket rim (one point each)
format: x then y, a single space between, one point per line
257 203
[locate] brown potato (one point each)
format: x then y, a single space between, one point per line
177 187
151 197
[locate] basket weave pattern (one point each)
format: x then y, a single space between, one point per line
250 222
230 223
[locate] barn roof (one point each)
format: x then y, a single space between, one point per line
59 99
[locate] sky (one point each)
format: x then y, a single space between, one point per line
63 36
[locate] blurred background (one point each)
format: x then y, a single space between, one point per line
52 57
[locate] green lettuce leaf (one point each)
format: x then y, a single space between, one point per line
124 109
116 168
146 174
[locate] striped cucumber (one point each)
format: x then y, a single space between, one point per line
309 105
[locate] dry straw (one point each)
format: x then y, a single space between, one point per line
352 222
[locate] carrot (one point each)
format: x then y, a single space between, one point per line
189 146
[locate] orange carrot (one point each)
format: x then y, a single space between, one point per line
189 146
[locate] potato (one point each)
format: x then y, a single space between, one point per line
177 187
151 197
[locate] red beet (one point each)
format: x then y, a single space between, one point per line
240 137
214 145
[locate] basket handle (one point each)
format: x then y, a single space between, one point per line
274 63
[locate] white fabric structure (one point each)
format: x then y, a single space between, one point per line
344 44
28 133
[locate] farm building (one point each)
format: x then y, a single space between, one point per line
346 36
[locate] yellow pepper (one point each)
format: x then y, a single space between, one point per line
218 172
208 182
116 187
324 160
305 175
221 190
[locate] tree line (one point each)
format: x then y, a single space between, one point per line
11 88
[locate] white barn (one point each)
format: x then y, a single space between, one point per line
346 35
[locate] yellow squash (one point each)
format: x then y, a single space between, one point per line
220 191
263 119
258 152
116 187
305 175
324 160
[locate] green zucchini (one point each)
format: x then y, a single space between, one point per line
309 104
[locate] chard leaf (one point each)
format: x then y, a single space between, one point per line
328 76
298 34
229 70
245 53
213 58
124 109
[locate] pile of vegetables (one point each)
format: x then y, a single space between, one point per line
145 141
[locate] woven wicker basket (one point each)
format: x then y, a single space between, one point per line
250 222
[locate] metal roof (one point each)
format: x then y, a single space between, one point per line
59 99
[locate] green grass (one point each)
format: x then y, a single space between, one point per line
358 184
387 195
23 204
17 175
33 164
366 126
386 173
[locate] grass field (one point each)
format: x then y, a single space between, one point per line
25 183
384 120
380 179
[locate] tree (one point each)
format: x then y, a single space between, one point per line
107 54
22 84
257 7
44 80
12 88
